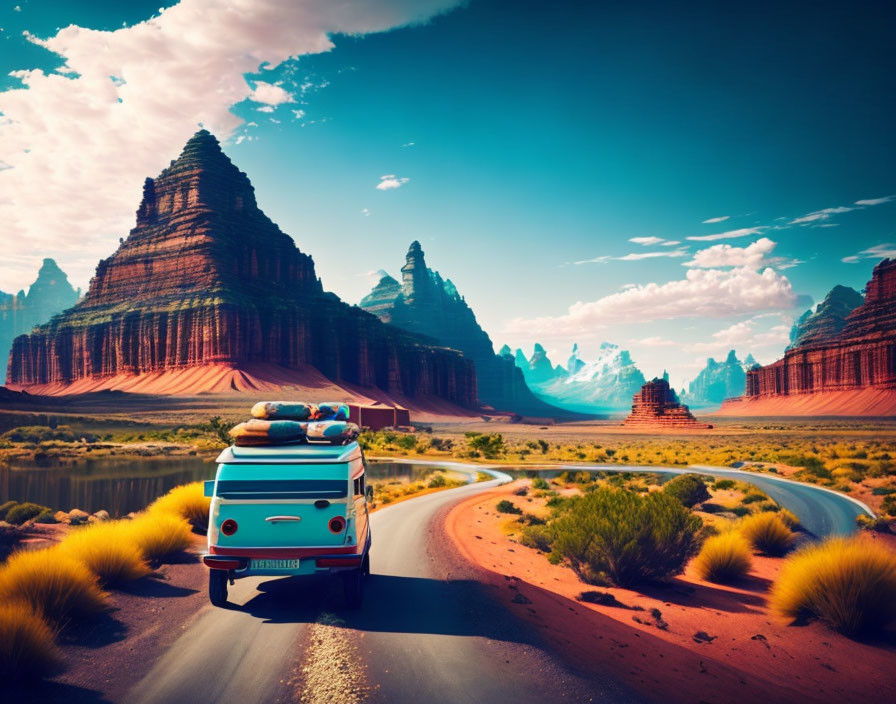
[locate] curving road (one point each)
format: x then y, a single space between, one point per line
425 633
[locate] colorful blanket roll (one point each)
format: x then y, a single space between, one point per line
336 431
268 432
284 410
332 411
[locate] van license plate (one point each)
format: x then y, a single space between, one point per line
275 564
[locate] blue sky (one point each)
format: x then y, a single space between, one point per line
530 143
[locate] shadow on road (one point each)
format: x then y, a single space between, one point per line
392 604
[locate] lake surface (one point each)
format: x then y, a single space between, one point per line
121 485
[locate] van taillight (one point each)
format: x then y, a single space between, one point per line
337 524
229 527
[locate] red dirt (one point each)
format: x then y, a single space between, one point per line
751 657
870 402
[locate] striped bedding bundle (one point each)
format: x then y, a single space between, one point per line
287 422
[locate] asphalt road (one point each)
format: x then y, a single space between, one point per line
425 634
422 635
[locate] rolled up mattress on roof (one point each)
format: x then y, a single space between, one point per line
284 410
268 432
336 431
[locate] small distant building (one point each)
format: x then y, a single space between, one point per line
378 416
657 405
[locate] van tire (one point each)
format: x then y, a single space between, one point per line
217 587
353 586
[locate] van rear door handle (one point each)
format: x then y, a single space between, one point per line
278 519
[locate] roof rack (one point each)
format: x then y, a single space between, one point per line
296 453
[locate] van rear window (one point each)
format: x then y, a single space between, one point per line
282 489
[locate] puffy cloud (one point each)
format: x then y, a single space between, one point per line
646 241
875 201
753 336
729 235
81 140
704 293
878 251
390 181
721 218
270 94
753 255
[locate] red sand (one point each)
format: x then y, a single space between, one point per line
858 402
306 382
752 657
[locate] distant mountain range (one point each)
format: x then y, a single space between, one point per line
719 380
604 384
51 293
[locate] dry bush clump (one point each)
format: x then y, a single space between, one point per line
767 533
724 558
27 648
186 501
108 550
158 535
848 582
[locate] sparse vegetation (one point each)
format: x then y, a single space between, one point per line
505 506
53 584
690 489
108 550
27 648
158 534
850 583
624 538
724 558
21 513
186 501
767 533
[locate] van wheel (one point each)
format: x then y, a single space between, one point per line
217 587
353 585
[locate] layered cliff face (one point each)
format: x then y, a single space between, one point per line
426 304
719 380
852 373
829 319
603 384
205 279
51 293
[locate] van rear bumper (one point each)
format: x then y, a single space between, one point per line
333 558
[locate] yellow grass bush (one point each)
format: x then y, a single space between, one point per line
27 648
789 518
53 584
767 533
848 582
187 501
157 534
108 550
724 558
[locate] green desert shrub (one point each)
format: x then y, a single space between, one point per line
624 538
689 489
848 582
491 445
5 508
21 513
540 537
767 533
879 524
505 506
724 558
540 483
724 484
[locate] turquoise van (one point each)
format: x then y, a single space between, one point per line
287 510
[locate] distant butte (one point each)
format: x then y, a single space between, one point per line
656 405
207 294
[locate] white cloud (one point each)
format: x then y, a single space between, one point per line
719 255
266 108
875 201
721 218
820 215
704 293
747 337
365 212
270 94
299 114
729 235
408 144
646 241
671 243
653 342
878 251
635 256
390 181
183 68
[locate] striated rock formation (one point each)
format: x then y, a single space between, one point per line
719 380
426 304
828 320
852 373
206 281
51 293
657 405
603 384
